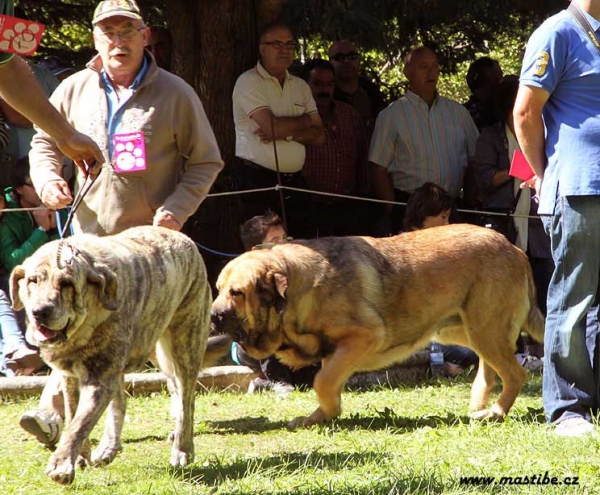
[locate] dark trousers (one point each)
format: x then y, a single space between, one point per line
340 217
247 175
385 224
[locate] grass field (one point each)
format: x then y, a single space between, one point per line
415 439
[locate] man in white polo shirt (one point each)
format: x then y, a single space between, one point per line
273 109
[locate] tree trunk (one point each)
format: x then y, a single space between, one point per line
214 41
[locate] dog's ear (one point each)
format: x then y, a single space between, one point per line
271 291
106 279
17 274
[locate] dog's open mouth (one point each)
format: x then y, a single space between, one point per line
48 336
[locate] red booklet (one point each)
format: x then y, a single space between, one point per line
519 167
19 36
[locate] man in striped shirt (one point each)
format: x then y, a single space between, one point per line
421 137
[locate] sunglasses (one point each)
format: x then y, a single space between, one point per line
340 57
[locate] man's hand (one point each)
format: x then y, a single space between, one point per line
534 183
44 218
264 136
83 151
167 220
56 194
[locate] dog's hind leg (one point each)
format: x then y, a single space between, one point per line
110 444
512 375
482 386
181 370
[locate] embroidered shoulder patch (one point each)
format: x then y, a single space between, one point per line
541 62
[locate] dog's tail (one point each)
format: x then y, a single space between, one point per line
534 326
217 348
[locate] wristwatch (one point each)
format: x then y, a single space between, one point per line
289 138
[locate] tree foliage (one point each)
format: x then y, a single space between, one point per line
385 30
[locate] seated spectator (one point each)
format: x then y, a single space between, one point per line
22 232
15 356
263 232
430 206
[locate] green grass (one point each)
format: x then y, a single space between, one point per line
387 441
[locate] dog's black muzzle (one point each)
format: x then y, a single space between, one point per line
226 323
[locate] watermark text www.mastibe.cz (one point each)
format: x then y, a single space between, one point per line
535 479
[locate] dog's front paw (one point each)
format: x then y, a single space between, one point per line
104 454
60 470
488 415
180 458
316 418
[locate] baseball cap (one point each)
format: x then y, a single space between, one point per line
111 8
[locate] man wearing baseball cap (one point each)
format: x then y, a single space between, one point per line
160 153
125 101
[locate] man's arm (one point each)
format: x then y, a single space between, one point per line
382 185
529 129
21 91
305 129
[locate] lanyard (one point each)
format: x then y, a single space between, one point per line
585 25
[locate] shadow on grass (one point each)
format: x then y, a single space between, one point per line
385 419
298 463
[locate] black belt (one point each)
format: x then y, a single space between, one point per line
260 168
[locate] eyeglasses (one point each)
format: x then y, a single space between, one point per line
279 45
127 35
340 57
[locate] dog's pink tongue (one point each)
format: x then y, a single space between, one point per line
43 333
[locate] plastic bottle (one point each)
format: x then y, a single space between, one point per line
436 359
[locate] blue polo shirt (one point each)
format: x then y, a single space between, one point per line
116 106
561 59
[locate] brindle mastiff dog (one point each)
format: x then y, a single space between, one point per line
99 307
359 303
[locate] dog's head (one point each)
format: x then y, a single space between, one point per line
61 289
251 301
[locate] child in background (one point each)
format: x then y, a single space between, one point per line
430 206
263 232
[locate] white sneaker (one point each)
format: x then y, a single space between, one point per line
45 426
575 426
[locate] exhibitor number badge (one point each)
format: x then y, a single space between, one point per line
129 152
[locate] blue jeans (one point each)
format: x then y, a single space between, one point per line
11 337
570 385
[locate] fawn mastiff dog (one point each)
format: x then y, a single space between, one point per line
360 303
99 307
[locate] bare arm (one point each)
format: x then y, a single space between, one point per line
21 91
305 129
529 129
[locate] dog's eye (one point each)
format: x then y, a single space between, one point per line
235 293
32 280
